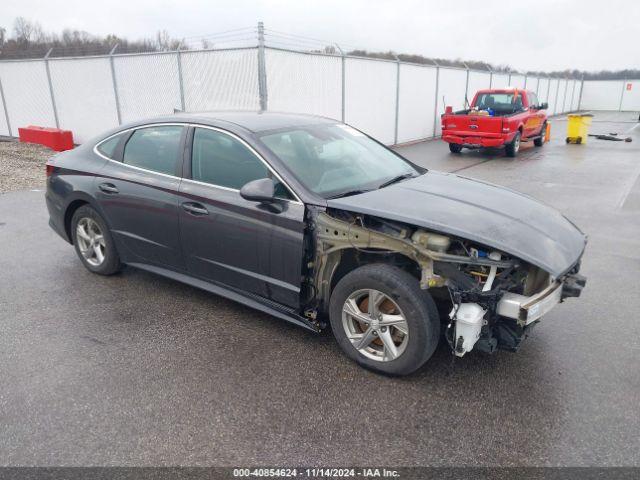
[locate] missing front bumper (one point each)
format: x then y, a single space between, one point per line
526 310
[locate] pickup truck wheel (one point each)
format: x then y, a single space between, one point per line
538 142
383 320
512 148
455 147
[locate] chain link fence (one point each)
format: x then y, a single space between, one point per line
393 101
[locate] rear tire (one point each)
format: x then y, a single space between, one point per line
538 142
513 148
93 242
401 312
455 147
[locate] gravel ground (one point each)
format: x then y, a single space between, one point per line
22 165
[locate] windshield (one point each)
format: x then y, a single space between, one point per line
335 160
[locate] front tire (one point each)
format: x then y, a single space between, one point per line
93 242
538 142
455 147
383 321
513 148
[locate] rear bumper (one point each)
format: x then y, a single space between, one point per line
477 141
56 217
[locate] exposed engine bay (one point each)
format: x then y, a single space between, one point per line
487 299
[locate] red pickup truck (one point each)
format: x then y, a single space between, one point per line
496 118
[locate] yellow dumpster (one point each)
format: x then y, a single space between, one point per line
578 127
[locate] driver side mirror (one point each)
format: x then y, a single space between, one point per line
261 190
543 106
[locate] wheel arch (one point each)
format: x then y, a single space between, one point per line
350 259
80 199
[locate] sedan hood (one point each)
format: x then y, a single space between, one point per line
494 216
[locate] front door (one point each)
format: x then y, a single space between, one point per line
226 239
138 191
532 126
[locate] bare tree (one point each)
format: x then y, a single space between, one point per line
26 31
165 42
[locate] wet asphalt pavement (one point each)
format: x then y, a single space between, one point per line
138 370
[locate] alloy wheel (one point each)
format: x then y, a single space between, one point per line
90 241
375 325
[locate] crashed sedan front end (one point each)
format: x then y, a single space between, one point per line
493 297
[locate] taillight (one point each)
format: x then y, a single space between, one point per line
49 169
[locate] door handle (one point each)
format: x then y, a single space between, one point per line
108 188
195 208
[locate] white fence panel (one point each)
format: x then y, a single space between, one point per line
371 97
4 128
451 85
562 95
221 80
566 97
631 96
84 96
303 83
575 104
601 95
533 83
477 81
500 80
417 102
543 90
554 84
148 85
557 109
26 92
575 90
576 95
517 80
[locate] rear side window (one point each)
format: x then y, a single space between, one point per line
108 147
220 159
154 148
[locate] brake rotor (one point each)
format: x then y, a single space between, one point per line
386 307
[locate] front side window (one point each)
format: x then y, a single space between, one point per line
533 100
108 147
154 148
221 160
332 160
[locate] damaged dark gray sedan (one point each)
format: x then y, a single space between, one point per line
314 222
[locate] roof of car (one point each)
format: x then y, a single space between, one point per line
503 90
259 121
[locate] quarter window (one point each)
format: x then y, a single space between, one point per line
220 159
154 148
108 147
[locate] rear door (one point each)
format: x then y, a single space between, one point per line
245 245
137 190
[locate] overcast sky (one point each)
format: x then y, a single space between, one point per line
528 35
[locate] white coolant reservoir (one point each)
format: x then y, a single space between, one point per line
469 318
